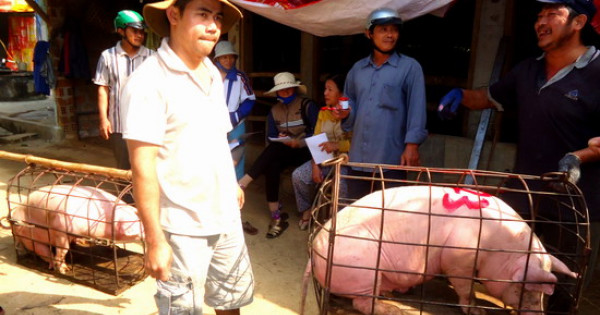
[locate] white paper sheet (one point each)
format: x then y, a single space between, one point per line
313 145
233 144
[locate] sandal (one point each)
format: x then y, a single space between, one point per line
303 224
284 216
249 228
277 227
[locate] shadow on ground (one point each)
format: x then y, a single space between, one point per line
44 303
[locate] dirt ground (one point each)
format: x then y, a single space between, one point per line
278 263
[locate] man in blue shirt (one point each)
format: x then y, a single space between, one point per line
386 91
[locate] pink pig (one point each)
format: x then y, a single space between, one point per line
56 215
453 217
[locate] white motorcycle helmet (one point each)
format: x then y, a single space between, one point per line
382 16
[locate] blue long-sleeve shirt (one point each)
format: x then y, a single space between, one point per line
388 109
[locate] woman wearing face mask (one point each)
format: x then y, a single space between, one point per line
290 121
310 174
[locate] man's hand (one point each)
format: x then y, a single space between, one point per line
105 128
594 145
449 104
339 113
570 164
240 197
410 156
158 260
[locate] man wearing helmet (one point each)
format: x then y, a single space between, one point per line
386 91
114 66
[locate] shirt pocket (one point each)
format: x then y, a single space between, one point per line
389 97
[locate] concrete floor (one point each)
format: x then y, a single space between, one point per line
278 263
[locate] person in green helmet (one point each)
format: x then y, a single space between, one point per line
114 66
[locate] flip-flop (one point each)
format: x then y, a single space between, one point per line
303 224
248 228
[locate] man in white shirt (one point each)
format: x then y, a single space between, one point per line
184 182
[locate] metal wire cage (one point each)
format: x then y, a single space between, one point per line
547 206
78 222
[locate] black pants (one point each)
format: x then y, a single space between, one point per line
272 161
119 147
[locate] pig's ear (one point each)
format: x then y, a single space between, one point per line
535 279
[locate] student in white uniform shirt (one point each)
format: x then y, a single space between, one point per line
238 95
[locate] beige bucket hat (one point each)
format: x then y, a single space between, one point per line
284 80
156 17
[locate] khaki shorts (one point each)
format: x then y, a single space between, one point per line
211 269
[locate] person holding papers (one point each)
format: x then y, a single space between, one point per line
291 120
310 174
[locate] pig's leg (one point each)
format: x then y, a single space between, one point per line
42 247
60 241
363 305
22 244
465 295
36 240
458 265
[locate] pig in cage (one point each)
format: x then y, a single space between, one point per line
78 224
447 241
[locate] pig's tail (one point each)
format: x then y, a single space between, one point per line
5 223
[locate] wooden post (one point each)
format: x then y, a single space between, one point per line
38 10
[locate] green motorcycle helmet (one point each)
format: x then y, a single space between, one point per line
130 18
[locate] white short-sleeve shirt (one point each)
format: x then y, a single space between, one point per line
165 106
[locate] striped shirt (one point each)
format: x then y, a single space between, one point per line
113 69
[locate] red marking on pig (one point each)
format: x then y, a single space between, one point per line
462 198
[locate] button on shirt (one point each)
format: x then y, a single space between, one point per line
166 106
388 108
113 69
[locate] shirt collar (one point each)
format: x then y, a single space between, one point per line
585 59
393 60
590 54
121 51
172 61
170 58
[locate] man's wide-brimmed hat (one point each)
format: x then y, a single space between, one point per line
156 17
284 80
